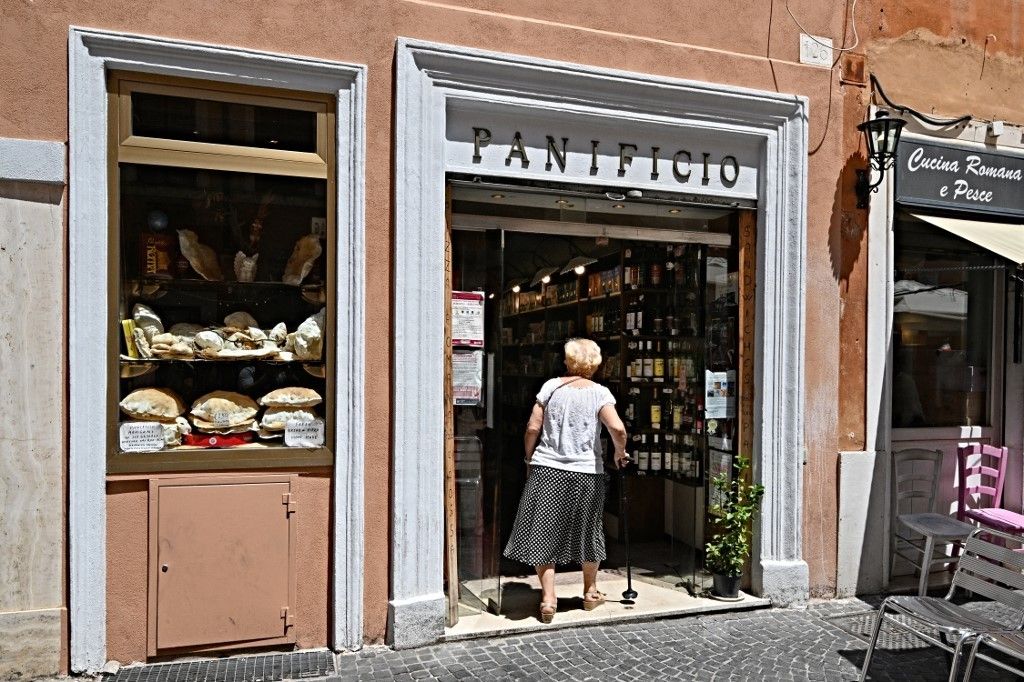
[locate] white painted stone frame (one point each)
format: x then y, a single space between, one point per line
428 76
91 54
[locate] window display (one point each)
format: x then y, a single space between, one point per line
223 291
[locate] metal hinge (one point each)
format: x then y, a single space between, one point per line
288 502
289 619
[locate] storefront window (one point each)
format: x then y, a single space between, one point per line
943 299
224 301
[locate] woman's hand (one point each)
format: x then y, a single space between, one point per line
622 460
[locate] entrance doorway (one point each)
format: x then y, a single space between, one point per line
656 283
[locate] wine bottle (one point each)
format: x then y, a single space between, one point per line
643 456
656 454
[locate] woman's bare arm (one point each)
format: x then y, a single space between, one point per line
611 420
533 427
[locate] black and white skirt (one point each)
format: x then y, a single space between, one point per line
559 519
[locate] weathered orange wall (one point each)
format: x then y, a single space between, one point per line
944 59
128 564
735 42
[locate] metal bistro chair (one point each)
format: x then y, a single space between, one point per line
1007 643
988 570
915 476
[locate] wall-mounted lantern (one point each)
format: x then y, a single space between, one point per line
882 134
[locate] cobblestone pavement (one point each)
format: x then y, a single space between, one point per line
771 644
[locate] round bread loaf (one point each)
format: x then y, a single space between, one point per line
225 409
277 418
153 404
291 396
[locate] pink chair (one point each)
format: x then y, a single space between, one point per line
990 470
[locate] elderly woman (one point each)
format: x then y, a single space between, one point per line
559 518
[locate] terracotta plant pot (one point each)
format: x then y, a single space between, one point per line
726 586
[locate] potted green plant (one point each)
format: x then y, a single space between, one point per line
727 550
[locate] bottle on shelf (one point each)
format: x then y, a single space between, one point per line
656 454
643 456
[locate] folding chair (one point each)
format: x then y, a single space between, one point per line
986 569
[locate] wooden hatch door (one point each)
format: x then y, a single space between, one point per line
221 562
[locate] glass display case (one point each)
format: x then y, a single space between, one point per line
224 222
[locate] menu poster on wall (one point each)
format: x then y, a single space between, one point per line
468 318
467 377
720 394
719 463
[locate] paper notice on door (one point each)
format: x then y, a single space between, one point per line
720 394
468 318
141 437
304 434
467 376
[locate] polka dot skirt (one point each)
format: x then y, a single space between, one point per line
559 519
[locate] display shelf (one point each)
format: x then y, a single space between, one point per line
151 288
224 361
600 297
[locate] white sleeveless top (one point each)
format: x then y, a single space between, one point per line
571 436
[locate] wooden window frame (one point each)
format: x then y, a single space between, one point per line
123 147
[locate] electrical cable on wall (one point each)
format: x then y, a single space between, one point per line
853 22
902 108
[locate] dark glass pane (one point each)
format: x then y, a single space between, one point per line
202 120
942 328
198 246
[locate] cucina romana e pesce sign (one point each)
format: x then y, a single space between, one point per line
959 178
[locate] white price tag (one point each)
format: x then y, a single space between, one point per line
141 437
222 418
304 434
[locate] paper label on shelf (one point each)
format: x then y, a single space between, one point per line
468 318
304 434
222 418
467 377
141 436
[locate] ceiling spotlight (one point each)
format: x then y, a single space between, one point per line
515 285
490 295
516 288
618 206
674 211
578 264
543 275
564 202
497 196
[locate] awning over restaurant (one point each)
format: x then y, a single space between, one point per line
1002 239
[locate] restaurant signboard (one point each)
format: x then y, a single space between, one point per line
945 176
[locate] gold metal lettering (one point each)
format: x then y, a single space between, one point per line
593 156
707 178
625 159
654 162
559 156
517 149
481 138
680 176
730 160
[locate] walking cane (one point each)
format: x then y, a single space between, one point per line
629 595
